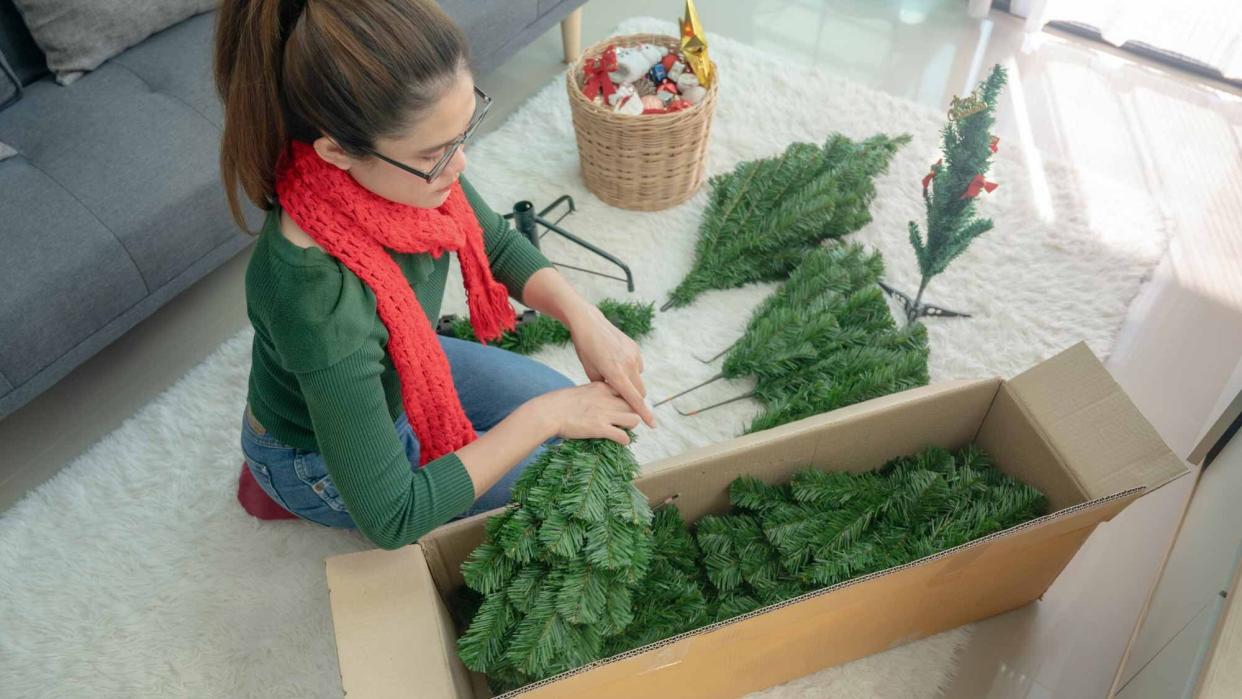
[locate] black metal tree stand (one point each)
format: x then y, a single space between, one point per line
527 222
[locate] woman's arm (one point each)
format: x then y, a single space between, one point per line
391 503
490 457
548 292
607 354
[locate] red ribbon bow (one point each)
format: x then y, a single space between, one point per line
976 185
598 82
931 175
995 142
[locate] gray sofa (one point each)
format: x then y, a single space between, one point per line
113 203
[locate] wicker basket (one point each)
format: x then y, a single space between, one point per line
641 162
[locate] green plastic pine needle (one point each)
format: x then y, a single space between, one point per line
826 339
632 318
635 578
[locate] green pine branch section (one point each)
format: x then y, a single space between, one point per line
579 568
764 216
630 317
824 528
827 339
560 567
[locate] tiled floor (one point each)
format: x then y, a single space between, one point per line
1121 121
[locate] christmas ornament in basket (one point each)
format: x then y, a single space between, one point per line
642 108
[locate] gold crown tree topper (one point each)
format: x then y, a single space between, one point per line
694 45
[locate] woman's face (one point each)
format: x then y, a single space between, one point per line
420 148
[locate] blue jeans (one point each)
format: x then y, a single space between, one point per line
490 382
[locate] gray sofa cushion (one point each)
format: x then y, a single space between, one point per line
78 36
488 24
138 157
65 274
113 205
177 63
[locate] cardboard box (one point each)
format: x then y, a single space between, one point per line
1063 426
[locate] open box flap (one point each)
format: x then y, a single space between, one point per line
1092 425
394 636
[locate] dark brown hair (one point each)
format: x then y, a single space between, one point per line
354 70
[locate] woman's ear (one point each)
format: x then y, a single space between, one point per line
331 151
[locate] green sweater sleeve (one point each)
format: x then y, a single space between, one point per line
512 257
392 504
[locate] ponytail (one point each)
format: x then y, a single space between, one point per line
354 70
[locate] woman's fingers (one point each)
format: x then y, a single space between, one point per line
625 419
637 377
617 435
631 395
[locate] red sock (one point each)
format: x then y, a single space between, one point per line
256 501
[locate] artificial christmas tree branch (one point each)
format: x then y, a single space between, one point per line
823 528
578 569
559 567
535 331
695 387
764 216
823 340
812 312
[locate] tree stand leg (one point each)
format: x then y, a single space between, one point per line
527 221
915 308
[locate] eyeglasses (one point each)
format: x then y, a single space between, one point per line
482 104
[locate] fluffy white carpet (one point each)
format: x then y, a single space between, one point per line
134 572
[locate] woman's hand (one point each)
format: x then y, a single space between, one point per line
606 353
589 411
611 356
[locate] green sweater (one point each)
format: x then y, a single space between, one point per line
321 378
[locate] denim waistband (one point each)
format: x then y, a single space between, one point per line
254 423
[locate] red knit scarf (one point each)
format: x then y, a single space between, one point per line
355 225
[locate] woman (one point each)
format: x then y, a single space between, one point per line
345 120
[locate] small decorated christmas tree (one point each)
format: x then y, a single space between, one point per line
951 190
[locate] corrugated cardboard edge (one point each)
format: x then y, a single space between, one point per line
977 545
813 423
1096 406
387 594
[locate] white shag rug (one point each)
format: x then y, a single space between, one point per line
134 572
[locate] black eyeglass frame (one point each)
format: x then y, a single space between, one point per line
453 145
